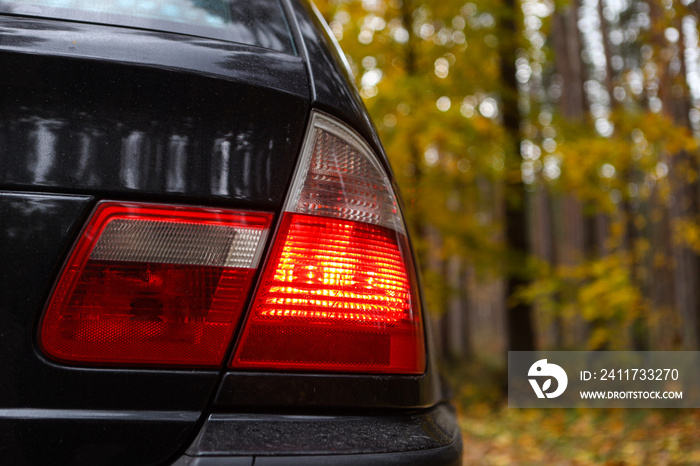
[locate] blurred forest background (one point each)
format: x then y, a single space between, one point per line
547 154
548 157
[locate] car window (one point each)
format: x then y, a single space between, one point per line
260 22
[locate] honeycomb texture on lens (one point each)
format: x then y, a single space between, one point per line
335 296
177 243
338 270
343 183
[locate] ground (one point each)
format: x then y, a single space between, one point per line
498 435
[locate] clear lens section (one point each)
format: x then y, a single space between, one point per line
154 285
344 180
177 243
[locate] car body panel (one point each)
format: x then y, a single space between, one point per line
94 112
55 414
332 88
246 390
121 121
172 116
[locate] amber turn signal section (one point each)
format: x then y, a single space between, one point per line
154 285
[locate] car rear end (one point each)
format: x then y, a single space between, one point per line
202 256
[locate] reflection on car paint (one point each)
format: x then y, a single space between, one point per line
52 151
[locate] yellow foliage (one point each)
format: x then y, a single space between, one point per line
687 233
430 75
600 291
579 436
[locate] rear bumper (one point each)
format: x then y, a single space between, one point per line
426 438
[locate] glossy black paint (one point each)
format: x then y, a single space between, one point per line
99 441
91 112
332 88
251 390
139 113
187 54
62 415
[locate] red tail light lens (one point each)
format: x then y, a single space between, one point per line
337 298
154 285
338 291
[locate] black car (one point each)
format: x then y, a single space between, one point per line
202 256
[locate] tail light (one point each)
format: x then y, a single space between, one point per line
154 285
338 290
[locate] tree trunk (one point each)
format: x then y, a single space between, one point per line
674 94
519 314
574 244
